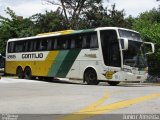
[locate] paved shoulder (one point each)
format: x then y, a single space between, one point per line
16 80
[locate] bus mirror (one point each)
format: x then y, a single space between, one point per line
149 48
124 43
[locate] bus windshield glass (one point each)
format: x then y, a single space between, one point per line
129 35
135 56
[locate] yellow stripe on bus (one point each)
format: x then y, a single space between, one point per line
58 32
39 68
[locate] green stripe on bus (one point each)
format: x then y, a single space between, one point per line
57 63
68 62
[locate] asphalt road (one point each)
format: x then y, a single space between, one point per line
76 101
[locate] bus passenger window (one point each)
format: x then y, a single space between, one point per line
37 45
25 46
94 41
72 44
30 46
86 41
54 44
69 43
65 44
10 47
19 46
49 46
43 44
62 44
78 42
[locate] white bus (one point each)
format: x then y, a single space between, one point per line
110 54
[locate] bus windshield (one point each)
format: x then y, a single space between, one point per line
135 56
129 35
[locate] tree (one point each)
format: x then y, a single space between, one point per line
99 16
14 27
129 22
148 24
73 9
115 17
48 22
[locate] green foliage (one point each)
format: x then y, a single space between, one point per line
14 27
73 10
99 16
129 22
48 22
148 24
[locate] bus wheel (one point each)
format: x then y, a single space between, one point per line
113 83
90 77
27 73
19 73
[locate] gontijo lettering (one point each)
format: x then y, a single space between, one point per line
33 55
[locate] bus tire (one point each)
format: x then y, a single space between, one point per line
90 77
113 83
27 73
20 73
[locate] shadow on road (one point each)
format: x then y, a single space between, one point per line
80 82
123 84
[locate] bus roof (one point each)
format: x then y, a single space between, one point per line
67 32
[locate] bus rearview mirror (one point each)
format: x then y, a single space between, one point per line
149 48
124 44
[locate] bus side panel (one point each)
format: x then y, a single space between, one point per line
63 63
86 58
57 63
68 62
39 68
10 67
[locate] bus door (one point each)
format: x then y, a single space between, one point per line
110 48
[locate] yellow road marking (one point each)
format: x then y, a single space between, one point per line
92 111
97 103
93 105
100 101
76 115
122 104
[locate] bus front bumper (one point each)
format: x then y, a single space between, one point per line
126 76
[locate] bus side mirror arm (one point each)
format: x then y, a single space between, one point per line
152 46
